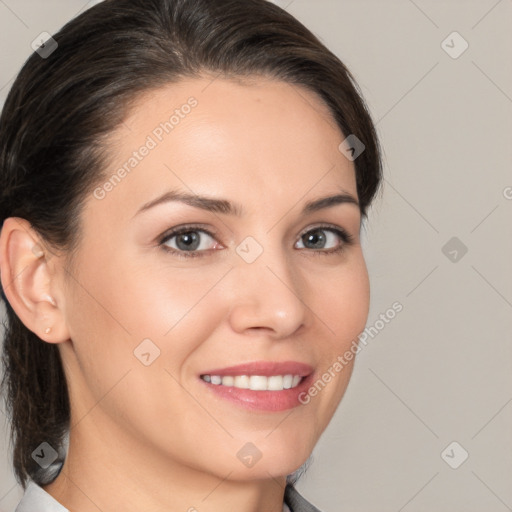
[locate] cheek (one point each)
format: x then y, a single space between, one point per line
111 321
341 301
173 307
123 304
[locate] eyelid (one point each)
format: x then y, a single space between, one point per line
343 233
346 237
185 228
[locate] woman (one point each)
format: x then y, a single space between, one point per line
183 186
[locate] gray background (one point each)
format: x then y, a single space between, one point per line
441 370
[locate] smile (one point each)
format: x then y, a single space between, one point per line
255 382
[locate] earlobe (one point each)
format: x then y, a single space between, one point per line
27 281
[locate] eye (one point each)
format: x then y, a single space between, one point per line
188 241
325 237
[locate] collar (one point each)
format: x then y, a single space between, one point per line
35 498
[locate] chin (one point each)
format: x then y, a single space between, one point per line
268 461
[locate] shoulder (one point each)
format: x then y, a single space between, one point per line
296 502
36 499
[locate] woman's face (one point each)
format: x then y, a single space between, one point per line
255 278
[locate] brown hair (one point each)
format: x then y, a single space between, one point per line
60 109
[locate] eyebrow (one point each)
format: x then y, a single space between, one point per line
230 208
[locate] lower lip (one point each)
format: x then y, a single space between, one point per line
272 401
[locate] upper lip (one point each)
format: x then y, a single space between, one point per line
264 368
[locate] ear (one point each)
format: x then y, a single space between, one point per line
29 283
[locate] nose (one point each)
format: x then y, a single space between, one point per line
268 296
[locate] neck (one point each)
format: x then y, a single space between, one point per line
114 472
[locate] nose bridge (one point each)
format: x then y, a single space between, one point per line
268 289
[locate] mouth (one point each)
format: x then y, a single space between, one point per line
255 382
263 385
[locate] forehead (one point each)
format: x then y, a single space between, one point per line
260 139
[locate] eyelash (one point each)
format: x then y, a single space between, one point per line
347 239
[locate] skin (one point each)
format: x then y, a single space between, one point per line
151 437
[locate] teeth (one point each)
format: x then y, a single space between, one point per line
255 382
275 383
241 381
258 383
228 380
